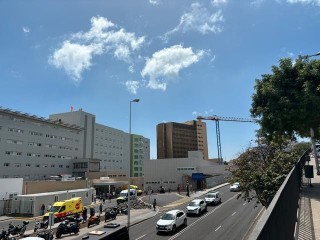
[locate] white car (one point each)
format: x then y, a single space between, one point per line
171 220
235 187
213 198
196 206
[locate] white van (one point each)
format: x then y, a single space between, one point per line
124 195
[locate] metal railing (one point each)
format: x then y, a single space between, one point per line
280 218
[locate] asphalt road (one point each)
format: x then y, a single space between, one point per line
229 220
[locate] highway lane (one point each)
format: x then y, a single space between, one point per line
229 220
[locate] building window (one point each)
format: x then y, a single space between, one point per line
35 133
28 165
6 164
16 130
17 164
13 153
37 165
33 154
60 166
14 141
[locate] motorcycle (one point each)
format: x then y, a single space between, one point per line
45 234
110 214
4 235
94 220
66 227
41 225
18 230
123 209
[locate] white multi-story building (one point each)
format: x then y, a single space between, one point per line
36 148
140 154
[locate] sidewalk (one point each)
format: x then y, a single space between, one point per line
309 217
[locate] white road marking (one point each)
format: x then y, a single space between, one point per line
141 236
217 228
201 218
233 213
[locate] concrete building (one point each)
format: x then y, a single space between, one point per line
140 154
193 170
174 140
36 148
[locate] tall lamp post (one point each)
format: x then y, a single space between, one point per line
311 129
130 147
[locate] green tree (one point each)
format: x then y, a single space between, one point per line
261 170
287 102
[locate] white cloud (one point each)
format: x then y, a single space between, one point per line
73 58
205 113
102 38
154 2
312 2
131 69
257 3
198 19
132 86
25 29
217 3
167 63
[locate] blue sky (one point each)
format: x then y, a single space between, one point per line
181 58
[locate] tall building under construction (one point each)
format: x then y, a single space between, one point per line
174 140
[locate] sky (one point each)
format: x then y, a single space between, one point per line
181 58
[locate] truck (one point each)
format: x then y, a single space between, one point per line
63 209
124 195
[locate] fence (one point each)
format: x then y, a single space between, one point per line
280 218
5 206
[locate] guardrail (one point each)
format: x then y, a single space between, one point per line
280 218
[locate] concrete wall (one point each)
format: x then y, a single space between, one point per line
10 186
33 187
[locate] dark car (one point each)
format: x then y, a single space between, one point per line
161 190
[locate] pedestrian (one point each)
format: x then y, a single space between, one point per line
100 208
109 196
92 212
84 214
43 207
49 206
154 204
104 199
178 189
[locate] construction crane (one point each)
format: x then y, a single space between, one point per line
217 119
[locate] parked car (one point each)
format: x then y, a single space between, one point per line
161 190
170 221
235 187
213 198
196 206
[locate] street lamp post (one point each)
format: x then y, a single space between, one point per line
130 147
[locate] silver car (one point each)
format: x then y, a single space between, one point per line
171 220
213 198
196 206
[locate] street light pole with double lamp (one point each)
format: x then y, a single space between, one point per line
130 147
